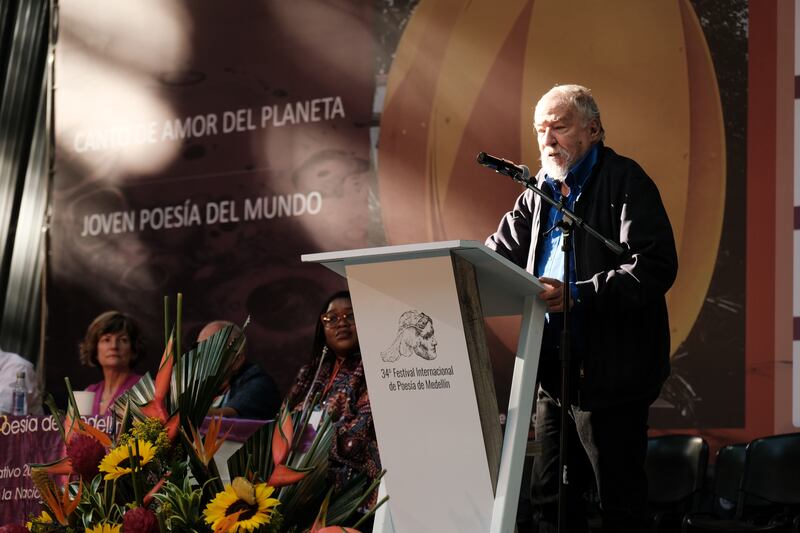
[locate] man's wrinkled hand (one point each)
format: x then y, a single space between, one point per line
553 295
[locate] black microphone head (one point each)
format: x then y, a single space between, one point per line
481 157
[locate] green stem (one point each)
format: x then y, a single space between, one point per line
166 320
371 512
137 491
71 406
162 524
51 404
178 368
178 325
326 421
214 477
105 501
305 416
179 306
113 494
370 489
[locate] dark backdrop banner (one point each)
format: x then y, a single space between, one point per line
202 147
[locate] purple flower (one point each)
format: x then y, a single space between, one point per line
140 520
85 453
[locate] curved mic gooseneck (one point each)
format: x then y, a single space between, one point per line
316 375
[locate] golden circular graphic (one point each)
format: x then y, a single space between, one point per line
467 74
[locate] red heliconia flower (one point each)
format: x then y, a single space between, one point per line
282 437
157 487
157 407
85 454
140 520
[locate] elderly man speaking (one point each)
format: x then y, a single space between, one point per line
618 315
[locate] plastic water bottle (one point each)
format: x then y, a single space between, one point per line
20 396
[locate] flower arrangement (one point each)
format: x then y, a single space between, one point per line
159 473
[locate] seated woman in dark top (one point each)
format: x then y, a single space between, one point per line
335 372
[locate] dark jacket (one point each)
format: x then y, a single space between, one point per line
253 393
621 300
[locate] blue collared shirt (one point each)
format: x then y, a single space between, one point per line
550 262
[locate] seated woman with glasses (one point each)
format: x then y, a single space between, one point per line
335 377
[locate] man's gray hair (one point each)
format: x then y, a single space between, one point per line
215 326
580 98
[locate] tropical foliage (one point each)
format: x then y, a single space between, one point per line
159 474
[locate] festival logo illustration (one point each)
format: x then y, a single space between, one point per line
415 336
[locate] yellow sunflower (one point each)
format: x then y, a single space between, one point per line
105 528
43 518
242 506
118 461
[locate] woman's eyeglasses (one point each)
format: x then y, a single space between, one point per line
331 320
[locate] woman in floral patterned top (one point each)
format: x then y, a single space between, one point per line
335 375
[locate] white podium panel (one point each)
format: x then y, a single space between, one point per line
422 387
422 395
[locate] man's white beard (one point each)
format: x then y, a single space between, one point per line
555 171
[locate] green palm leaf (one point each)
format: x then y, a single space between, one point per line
255 455
134 398
199 374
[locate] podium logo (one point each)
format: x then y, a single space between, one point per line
415 336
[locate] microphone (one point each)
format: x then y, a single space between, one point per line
504 166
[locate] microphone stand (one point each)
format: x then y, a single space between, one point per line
525 179
565 354
569 220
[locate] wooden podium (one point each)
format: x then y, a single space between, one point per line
419 310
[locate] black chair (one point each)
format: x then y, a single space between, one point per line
769 493
724 493
728 472
676 467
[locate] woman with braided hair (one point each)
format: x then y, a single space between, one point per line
334 378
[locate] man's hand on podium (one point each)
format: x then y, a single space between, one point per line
553 295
